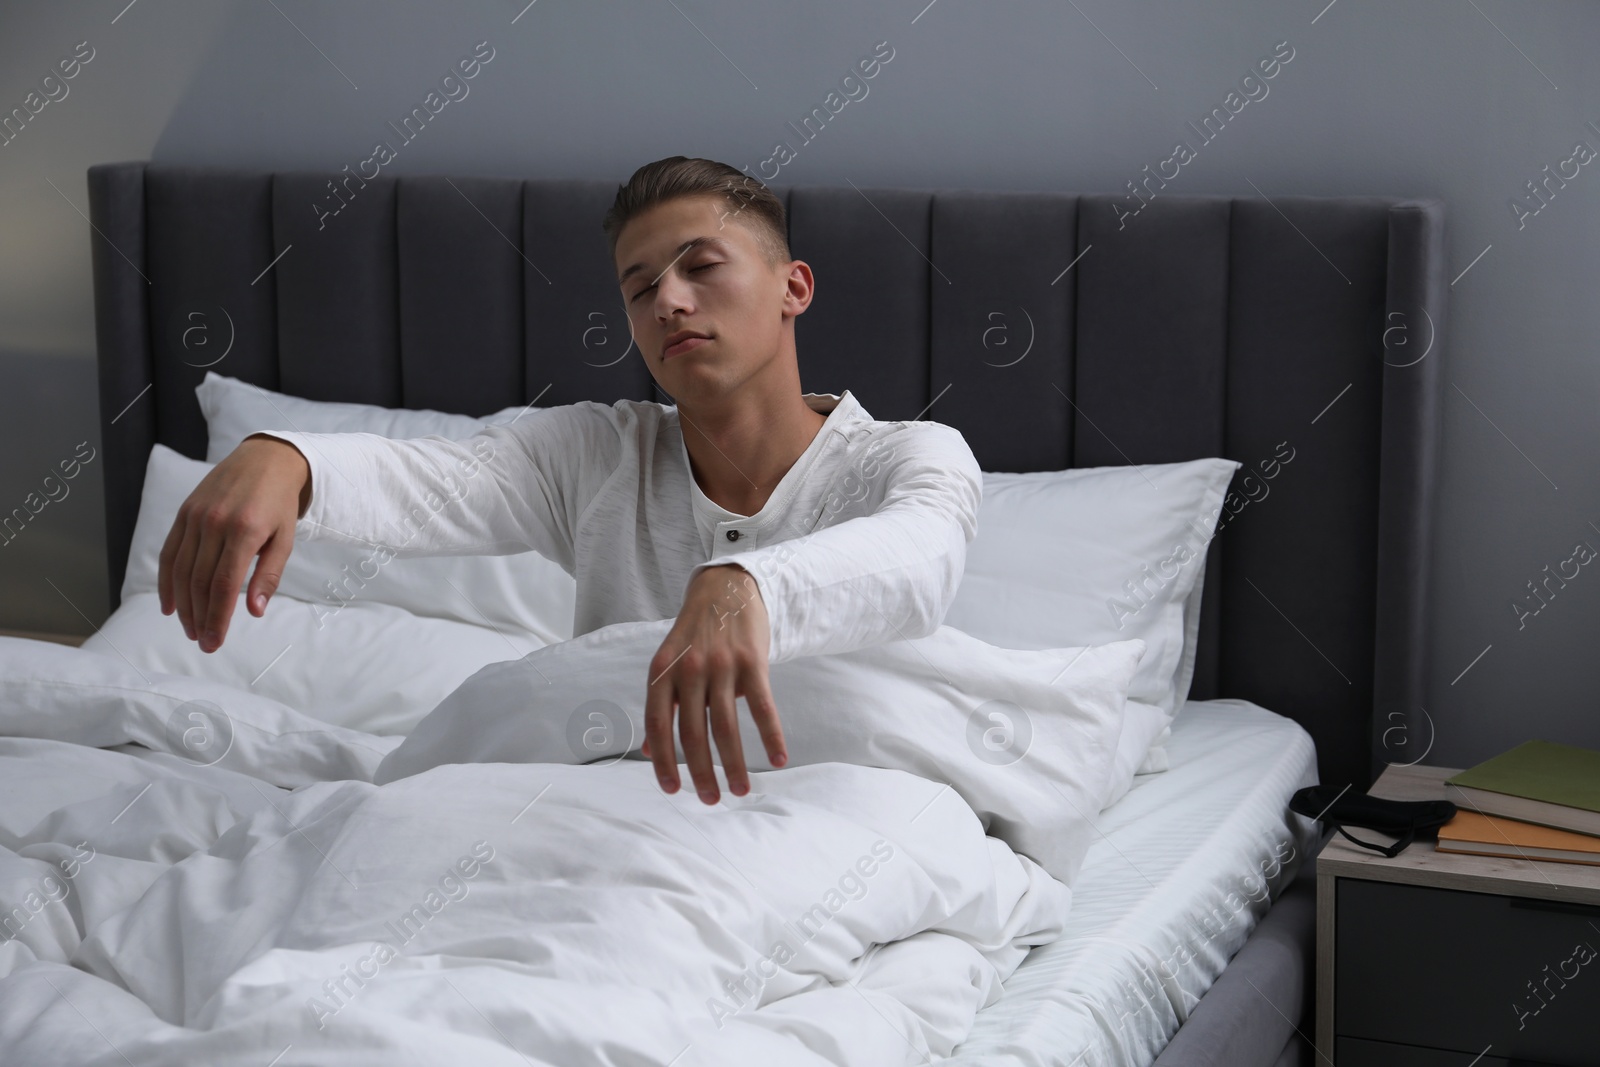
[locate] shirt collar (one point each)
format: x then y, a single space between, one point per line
838 409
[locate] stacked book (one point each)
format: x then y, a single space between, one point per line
1539 801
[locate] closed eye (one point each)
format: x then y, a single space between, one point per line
693 270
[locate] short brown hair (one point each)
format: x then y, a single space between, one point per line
666 179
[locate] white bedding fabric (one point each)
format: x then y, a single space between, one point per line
369 666
170 900
1028 739
1089 555
1187 865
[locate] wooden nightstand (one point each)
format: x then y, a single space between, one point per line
1433 958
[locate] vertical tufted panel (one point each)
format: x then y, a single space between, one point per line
460 298
578 343
867 327
1306 320
1002 338
1417 297
1152 332
210 237
338 319
1152 354
122 343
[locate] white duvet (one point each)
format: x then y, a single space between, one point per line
191 873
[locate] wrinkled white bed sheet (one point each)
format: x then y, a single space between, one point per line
1183 868
270 907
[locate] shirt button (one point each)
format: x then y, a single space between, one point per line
733 535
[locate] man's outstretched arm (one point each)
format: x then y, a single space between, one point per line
892 573
498 492
509 489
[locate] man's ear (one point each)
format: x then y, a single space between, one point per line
801 286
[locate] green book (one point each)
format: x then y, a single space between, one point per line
1538 781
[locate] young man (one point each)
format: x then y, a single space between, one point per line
771 524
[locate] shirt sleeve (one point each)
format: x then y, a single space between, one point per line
886 575
514 487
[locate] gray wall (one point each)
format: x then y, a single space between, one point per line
1466 102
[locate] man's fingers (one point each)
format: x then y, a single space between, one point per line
691 687
168 563
183 574
206 555
658 727
725 731
269 571
239 547
764 710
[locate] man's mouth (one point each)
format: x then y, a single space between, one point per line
681 342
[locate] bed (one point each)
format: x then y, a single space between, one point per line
1057 333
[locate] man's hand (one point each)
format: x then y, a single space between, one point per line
246 505
716 651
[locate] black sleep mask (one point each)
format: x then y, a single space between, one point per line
1403 819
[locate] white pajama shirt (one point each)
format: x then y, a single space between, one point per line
864 540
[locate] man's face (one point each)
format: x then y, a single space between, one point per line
721 287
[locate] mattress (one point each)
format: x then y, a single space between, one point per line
1185 866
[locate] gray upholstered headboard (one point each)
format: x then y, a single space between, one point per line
1053 329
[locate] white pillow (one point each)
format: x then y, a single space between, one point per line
1139 750
368 666
236 409
1027 738
1057 553
525 594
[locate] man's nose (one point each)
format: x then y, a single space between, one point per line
672 294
